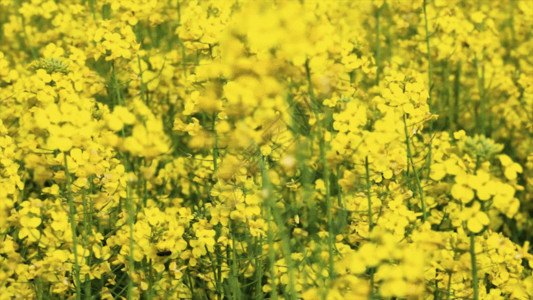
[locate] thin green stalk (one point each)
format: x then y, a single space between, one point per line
511 21
91 6
178 9
430 84
218 280
215 143
259 273
280 223
325 172
457 94
417 178
150 292
450 105
39 286
302 157
234 279
87 231
428 47
143 86
378 44
129 204
116 87
189 281
285 242
370 223
98 224
481 90
218 256
449 289
325 176
131 263
72 219
436 294
475 284
270 234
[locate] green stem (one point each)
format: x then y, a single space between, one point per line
218 280
481 89
234 280
417 178
39 286
215 144
72 219
449 289
270 235
511 21
284 234
457 96
430 84
474 267
370 223
325 176
448 98
116 86
131 268
325 171
91 6
378 45
428 46
143 93
259 273
87 231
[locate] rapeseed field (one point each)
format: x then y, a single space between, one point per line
266 149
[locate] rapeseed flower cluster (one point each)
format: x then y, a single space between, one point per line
226 149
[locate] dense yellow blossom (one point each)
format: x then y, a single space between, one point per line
226 149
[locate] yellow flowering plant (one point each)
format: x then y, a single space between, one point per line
220 149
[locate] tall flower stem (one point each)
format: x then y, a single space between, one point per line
72 219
